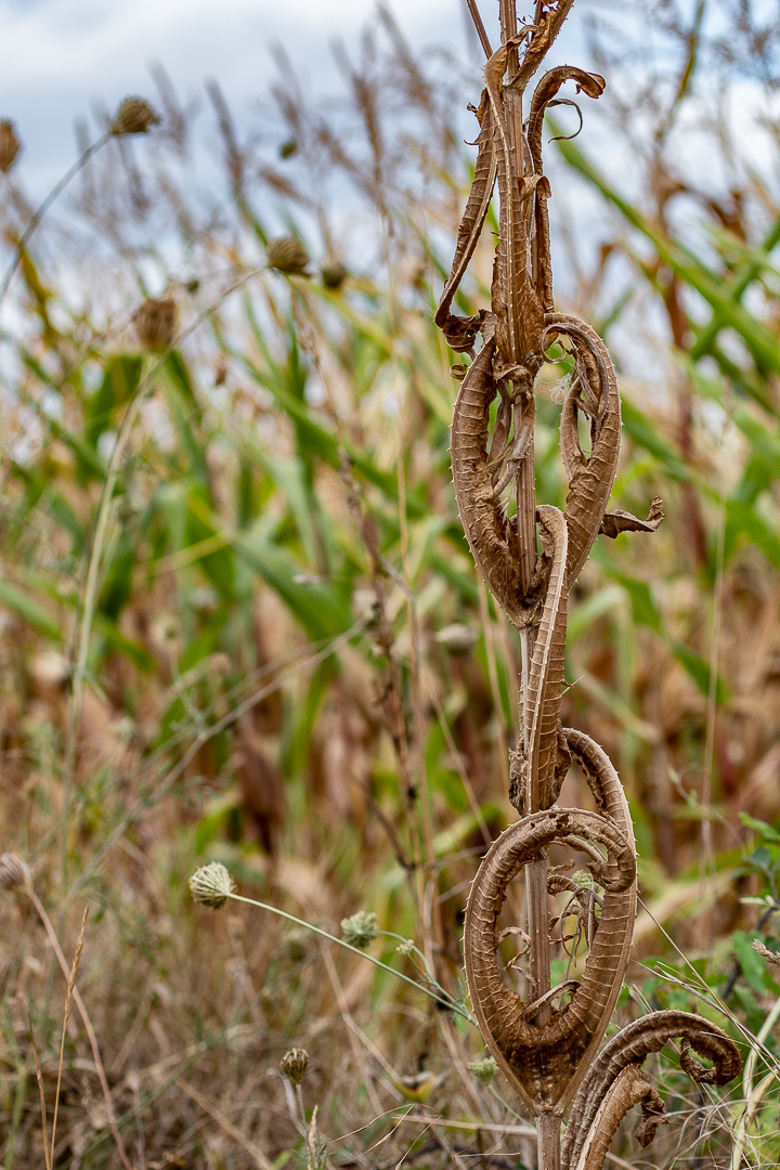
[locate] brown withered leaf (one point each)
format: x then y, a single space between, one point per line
620 521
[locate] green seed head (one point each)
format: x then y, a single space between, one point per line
484 1070
360 929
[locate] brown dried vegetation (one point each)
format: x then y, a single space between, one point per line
239 618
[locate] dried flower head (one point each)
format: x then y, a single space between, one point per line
360 930
155 323
762 949
134 116
484 1070
14 872
287 254
406 947
211 885
294 1064
9 146
333 274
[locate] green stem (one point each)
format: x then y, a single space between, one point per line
439 995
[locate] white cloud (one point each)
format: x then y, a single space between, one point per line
58 58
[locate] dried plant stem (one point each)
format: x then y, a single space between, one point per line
548 1050
85 1019
260 1161
753 1092
548 1133
83 634
65 1017
41 1094
548 1142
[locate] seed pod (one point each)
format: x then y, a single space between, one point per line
294 1064
134 116
14 872
360 929
211 885
155 323
484 1070
333 274
9 146
288 255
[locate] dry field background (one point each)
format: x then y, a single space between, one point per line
239 620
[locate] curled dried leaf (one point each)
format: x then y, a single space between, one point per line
620 521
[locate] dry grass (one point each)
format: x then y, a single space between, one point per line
285 662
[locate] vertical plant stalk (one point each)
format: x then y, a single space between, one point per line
547 1042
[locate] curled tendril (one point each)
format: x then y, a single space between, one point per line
542 1062
613 1082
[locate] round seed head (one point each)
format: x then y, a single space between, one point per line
155 323
484 1070
211 885
134 116
294 1064
360 929
333 274
288 255
14 872
9 146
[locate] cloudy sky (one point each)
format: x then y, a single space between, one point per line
60 58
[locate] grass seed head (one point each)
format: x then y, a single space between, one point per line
294 1064
155 323
288 255
9 146
211 885
134 116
